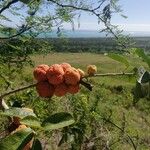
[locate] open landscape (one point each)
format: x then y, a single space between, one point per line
110 99
74 75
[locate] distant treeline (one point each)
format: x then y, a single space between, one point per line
93 44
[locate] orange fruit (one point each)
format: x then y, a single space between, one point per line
40 72
61 89
45 89
55 74
73 89
65 66
71 76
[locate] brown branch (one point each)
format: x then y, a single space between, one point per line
17 90
110 74
8 5
87 85
17 34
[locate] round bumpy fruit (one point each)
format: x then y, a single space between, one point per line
91 69
72 76
65 66
73 89
55 74
61 89
45 89
40 72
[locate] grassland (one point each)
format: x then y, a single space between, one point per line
112 95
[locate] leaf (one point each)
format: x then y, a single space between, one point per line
58 120
119 58
31 121
145 77
36 145
141 54
18 112
17 140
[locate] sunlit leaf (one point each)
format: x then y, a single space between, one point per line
31 121
119 58
18 112
58 120
17 140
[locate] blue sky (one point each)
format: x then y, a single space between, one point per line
137 11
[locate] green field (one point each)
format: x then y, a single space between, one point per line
111 98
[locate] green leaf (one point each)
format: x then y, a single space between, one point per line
31 121
141 54
17 140
36 145
119 58
17 112
58 120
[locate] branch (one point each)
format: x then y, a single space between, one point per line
107 120
92 11
110 74
17 34
87 85
18 90
8 5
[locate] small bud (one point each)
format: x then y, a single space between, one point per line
91 69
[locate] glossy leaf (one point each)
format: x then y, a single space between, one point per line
36 145
17 141
31 121
18 112
119 58
58 120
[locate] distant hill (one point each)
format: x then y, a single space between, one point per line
89 34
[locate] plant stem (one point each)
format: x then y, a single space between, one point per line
110 74
18 90
87 85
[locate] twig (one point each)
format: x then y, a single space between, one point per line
18 90
8 5
110 74
122 131
92 11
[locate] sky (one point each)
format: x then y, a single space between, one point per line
137 11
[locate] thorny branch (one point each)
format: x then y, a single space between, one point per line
87 85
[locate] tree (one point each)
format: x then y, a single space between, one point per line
42 15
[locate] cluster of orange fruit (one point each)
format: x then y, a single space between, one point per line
59 79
